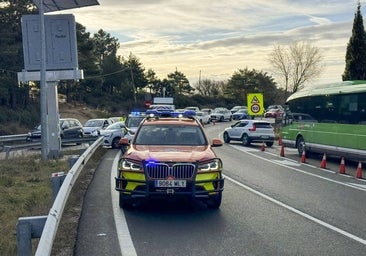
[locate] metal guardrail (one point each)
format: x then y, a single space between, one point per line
31 225
14 140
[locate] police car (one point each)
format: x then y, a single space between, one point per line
170 156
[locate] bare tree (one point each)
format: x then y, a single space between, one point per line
208 87
299 63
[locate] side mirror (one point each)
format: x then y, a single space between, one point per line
216 142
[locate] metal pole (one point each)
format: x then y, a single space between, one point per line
44 122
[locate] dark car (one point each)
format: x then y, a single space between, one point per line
241 114
69 128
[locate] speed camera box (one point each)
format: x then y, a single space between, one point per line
60 42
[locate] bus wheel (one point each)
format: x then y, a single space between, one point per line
300 142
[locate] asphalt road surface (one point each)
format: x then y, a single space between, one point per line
272 205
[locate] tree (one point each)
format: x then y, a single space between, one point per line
105 45
356 50
246 81
153 82
180 83
11 51
297 64
210 88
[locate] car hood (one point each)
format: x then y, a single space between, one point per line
171 153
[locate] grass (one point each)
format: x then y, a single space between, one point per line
25 190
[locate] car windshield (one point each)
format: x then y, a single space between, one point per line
134 121
183 135
94 123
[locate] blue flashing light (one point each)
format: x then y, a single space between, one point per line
167 113
136 113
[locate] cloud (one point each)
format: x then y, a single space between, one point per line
215 37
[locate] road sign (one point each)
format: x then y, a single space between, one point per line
255 104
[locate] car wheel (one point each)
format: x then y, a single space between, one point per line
300 142
125 203
226 137
115 142
215 201
222 119
269 144
245 139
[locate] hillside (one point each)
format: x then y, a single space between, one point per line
80 112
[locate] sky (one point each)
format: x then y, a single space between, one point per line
212 39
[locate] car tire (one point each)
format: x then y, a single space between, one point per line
226 137
125 203
269 144
215 201
115 142
245 140
222 119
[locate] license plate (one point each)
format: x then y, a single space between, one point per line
265 137
170 183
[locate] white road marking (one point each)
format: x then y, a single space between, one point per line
287 162
301 171
294 210
123 233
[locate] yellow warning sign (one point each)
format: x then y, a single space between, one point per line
255 104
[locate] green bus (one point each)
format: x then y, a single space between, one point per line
329 119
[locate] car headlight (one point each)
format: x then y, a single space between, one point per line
127 165
214 165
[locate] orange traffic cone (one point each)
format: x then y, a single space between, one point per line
323 163
279 141
303 157
263 147
359 171
342 167
282 153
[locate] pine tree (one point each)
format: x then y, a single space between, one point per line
356 50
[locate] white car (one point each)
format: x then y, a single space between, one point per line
221 114
112 134
92 126
248 131
203 117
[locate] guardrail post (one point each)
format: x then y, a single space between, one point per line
57 179
7 150
28 228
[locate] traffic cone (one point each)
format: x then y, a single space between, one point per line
359 171
263 147
279 141
303 157
323 163
282 153
342 167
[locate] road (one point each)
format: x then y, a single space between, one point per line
272 205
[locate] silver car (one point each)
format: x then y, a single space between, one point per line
248 131
112 134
